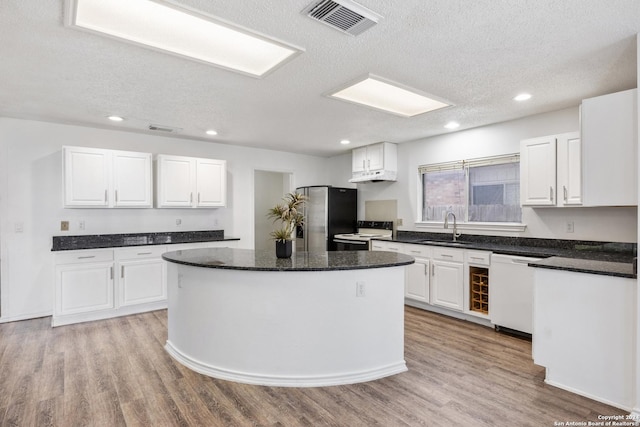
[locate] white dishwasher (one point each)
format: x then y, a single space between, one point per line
511 292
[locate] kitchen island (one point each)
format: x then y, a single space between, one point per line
315 319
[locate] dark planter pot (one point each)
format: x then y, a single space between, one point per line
284 249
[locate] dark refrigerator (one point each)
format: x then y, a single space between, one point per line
327 212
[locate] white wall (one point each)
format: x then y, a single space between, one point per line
31 195
607 224
270 188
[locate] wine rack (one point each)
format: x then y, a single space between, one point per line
479 289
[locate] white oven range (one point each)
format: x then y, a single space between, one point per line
366 230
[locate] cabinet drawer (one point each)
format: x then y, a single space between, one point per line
478 257
417 250
75 257
448 254
140 252
377 245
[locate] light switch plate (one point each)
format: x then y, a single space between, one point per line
64 225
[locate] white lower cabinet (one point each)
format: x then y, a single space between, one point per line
103 283
447 281
417 280
142 275
85 287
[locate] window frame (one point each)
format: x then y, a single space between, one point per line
464 223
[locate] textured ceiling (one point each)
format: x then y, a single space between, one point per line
476 54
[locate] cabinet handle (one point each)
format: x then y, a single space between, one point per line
433 270
144 253
198 197
86 257
369 164
106 196
363 165
122 271
564 190
111 272
191 198
446 256
116 196
476 258
551 194
415 252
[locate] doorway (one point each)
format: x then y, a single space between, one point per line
269 189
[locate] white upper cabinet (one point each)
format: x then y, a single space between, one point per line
359 159
99 178
538 171
211 181
176 181
132 180
190 182
610 141
569 168
376 162
550 170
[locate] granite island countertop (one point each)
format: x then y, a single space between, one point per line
606 258
101 241
250 260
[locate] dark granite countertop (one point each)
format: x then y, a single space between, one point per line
246 259
98 241
607 258
607 268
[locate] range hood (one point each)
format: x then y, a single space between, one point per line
374 176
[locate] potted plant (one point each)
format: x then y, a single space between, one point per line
289 214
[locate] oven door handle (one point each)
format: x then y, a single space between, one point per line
351 242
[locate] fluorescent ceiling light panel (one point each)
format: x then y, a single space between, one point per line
179 31
382 94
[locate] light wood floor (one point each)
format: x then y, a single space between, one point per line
116 372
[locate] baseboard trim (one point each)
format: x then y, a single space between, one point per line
284 381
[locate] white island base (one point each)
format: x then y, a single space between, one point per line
287 328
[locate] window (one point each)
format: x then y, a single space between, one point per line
479 190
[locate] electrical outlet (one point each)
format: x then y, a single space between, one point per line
569 227
178 221
81 224
360 289
18 227
399 221
64 225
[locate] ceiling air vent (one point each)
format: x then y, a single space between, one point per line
164 128
343 15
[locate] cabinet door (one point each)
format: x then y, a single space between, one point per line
569 169
447 284
141 281
82 288
359 160
375 157
132 179
609 148
211 179
176 181
538 171
86 177
417 280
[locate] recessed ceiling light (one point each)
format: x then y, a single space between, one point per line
115 118
452 125
180 31
211 132
382 94
522 97
345 142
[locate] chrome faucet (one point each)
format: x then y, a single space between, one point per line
455 224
